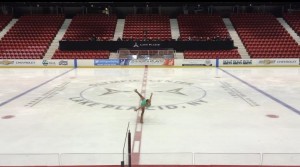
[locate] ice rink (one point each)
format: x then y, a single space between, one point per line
194 110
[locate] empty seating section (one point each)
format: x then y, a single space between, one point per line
201 26
205 27
30 37
293 19
4 20
91 54
264 37
261 33
83 27
141 26
212 54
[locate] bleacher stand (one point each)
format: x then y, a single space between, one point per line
4 20
147 27
30 37
204 27
85 27
264 37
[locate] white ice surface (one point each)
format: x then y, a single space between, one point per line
194 110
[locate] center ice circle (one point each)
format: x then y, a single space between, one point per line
165 92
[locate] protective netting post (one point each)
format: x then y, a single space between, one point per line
129 148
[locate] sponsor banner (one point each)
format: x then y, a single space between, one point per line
276 62
198 62
61 63
7 62
236 62
106 62
153 62
19 62
169 62
259 62
147 44
36 63
124 62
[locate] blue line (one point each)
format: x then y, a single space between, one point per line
14 98
264 93
75 63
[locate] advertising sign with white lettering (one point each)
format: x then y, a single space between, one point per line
159 62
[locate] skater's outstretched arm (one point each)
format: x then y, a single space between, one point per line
149 100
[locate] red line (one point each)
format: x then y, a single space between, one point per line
135 156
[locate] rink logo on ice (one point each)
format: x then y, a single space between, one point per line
236 93
119 95
47 95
